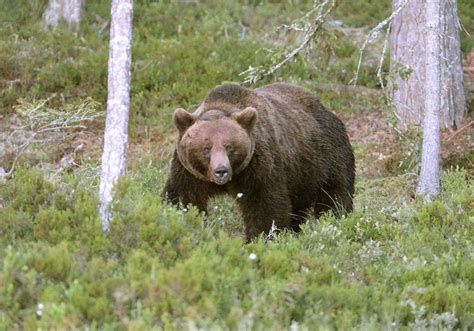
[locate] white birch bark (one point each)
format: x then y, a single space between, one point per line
69 10
429 181
118 104
407 61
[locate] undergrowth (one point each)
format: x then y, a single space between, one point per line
406 264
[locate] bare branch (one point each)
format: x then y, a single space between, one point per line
373 34
382 58
322 10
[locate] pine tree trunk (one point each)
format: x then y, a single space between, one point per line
118 104
407 61
69 10
428 183
453 98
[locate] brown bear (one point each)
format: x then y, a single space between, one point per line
276 148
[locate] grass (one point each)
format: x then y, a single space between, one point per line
394 263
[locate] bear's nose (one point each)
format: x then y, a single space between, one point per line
221 172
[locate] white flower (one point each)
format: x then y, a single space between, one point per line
39 311
239 195
253 256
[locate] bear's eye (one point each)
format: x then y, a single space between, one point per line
206 151
229 148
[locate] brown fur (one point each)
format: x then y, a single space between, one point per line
289 155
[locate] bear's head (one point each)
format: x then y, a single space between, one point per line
215 147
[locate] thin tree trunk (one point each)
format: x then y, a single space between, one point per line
69 10
429 182
118 104
408 63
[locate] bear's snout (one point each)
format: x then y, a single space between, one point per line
220 169
221 172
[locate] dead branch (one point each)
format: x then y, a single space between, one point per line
468 125
373 34
322 10
39 121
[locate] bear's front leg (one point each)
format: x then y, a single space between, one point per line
183 187
262 207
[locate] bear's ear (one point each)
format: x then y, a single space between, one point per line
182 119
246 118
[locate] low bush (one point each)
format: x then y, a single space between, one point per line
163 267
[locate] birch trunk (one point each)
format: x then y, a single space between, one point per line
69 10
408 63
118 104
428 184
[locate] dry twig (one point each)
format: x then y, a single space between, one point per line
374 34
39 122
321 10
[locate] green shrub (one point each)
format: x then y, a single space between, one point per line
166 268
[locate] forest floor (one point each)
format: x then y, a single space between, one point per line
367 126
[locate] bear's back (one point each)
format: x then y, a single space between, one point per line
294 97
229 98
